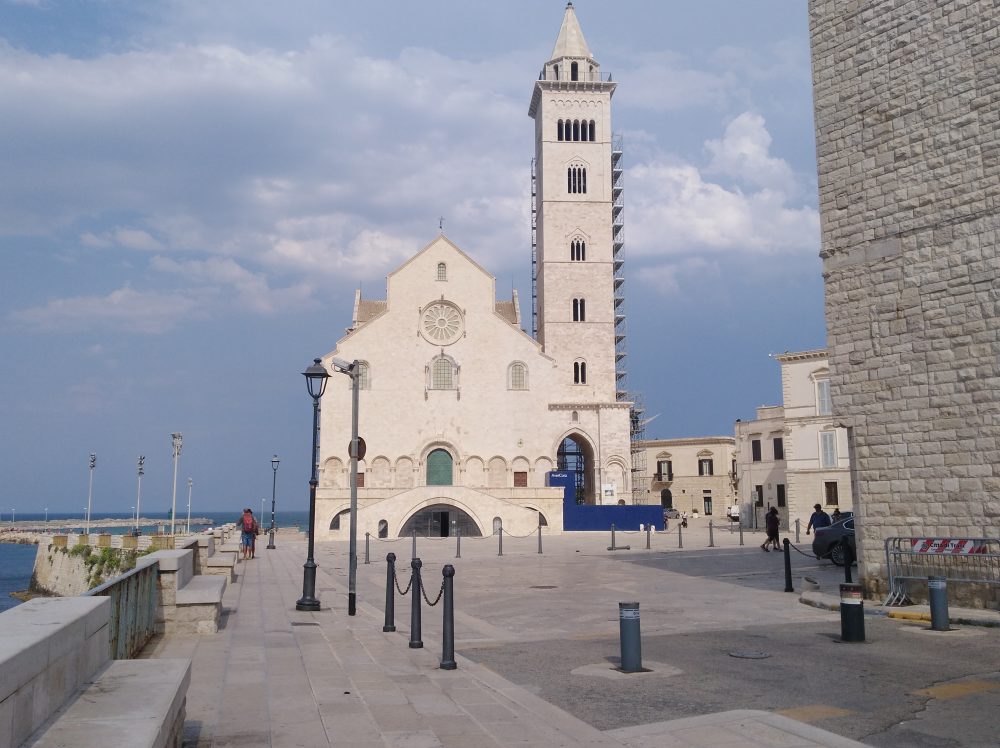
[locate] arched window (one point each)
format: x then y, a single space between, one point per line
575 418
578 250
439 468
383 528
579 372
576 180
335 522
576 129
593 131
442 271
579 310
442 373
517 378
574 71
555 71
497 525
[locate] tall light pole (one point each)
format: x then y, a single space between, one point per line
353 370
190 483
316 377
175 441
274 485
46 515
90 488
140 469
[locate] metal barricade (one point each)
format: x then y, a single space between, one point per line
975 560
133 609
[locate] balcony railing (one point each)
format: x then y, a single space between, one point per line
133 609
582 77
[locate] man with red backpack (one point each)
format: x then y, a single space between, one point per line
248 533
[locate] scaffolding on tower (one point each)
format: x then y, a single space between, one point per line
637 430
534 252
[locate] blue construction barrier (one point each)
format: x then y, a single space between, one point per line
588 517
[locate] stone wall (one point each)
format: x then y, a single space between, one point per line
65 572
907 104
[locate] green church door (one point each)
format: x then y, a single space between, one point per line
439 468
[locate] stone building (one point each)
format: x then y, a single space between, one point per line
463 412
907 108
794 455
692 475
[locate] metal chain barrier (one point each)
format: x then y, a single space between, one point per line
531 534
807 555
423 591
395 578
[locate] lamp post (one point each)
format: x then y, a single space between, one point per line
316 378
46 515
140 465
90 488
274 485
353 370
190 483
133 514
175 441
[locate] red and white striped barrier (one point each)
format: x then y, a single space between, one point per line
954 546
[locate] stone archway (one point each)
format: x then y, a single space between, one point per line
440 521
576 456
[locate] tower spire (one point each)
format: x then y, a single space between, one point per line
570 42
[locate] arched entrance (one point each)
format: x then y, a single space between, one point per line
440 521
666 499
439 468
576 456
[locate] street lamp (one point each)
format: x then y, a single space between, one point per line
46 515
140 468
190 483
353 370
274 485
90 489
316 377
175 441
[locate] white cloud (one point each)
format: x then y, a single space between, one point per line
744 154
674 209
124 309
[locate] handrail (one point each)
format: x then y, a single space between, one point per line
133 609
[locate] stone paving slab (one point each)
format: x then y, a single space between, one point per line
275 676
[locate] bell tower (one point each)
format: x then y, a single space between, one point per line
575 249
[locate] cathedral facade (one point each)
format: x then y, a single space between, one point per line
464 413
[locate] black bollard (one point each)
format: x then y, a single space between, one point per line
458 543
937 593
415 640
500 541
631 641
788 565
448 645
613 546
852 613
711 535
848 559
649 529
390 596
680 535
367 537
539 536
741 531
413 553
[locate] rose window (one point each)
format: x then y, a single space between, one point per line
441 323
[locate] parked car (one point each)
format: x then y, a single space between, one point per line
826 540
671 514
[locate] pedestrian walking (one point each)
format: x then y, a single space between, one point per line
772 522
818 519
248 533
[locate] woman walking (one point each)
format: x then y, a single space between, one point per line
771 523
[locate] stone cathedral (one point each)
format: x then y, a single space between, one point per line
463 412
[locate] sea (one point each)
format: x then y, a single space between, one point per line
18 561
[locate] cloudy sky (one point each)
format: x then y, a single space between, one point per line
191 191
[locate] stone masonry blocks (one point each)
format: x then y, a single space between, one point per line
907 103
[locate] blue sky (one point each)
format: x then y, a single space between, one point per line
192 191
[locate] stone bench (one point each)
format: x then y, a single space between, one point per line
186 604
223 564
59 685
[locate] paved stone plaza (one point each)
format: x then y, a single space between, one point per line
537 642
